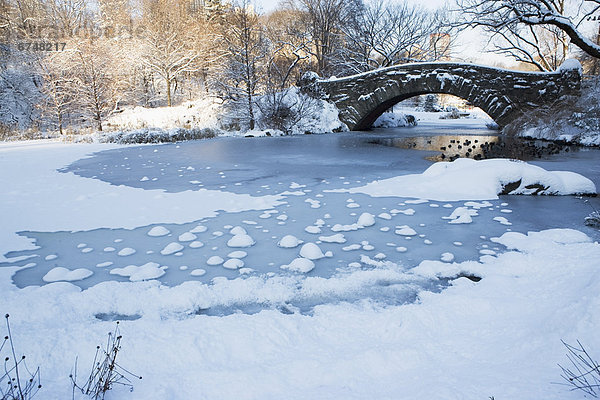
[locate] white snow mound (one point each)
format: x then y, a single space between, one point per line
300 264
64 274
289 242
241 240
467 179
311 251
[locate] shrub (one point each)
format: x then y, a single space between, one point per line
584 373
105 371
17 382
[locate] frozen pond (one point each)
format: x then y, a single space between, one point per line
352 232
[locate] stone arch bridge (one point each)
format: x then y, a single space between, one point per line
502 94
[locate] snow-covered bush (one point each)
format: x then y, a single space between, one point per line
293 112
431 104
584 373
454 114
153 135
201 113
394 120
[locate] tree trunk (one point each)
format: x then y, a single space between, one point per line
168 81
250 110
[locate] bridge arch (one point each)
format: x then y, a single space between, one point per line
502 94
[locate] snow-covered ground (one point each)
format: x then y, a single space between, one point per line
299 281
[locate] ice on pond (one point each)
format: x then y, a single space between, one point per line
58 274
196 244
51 257
385 216
109 249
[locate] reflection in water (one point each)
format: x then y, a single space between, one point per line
477 147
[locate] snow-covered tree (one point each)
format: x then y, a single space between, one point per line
58 88
98 87
168 47
526 25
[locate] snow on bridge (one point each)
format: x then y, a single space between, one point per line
502 94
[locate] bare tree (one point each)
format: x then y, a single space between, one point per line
523 23
326 20
68 16
387 33
245 45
